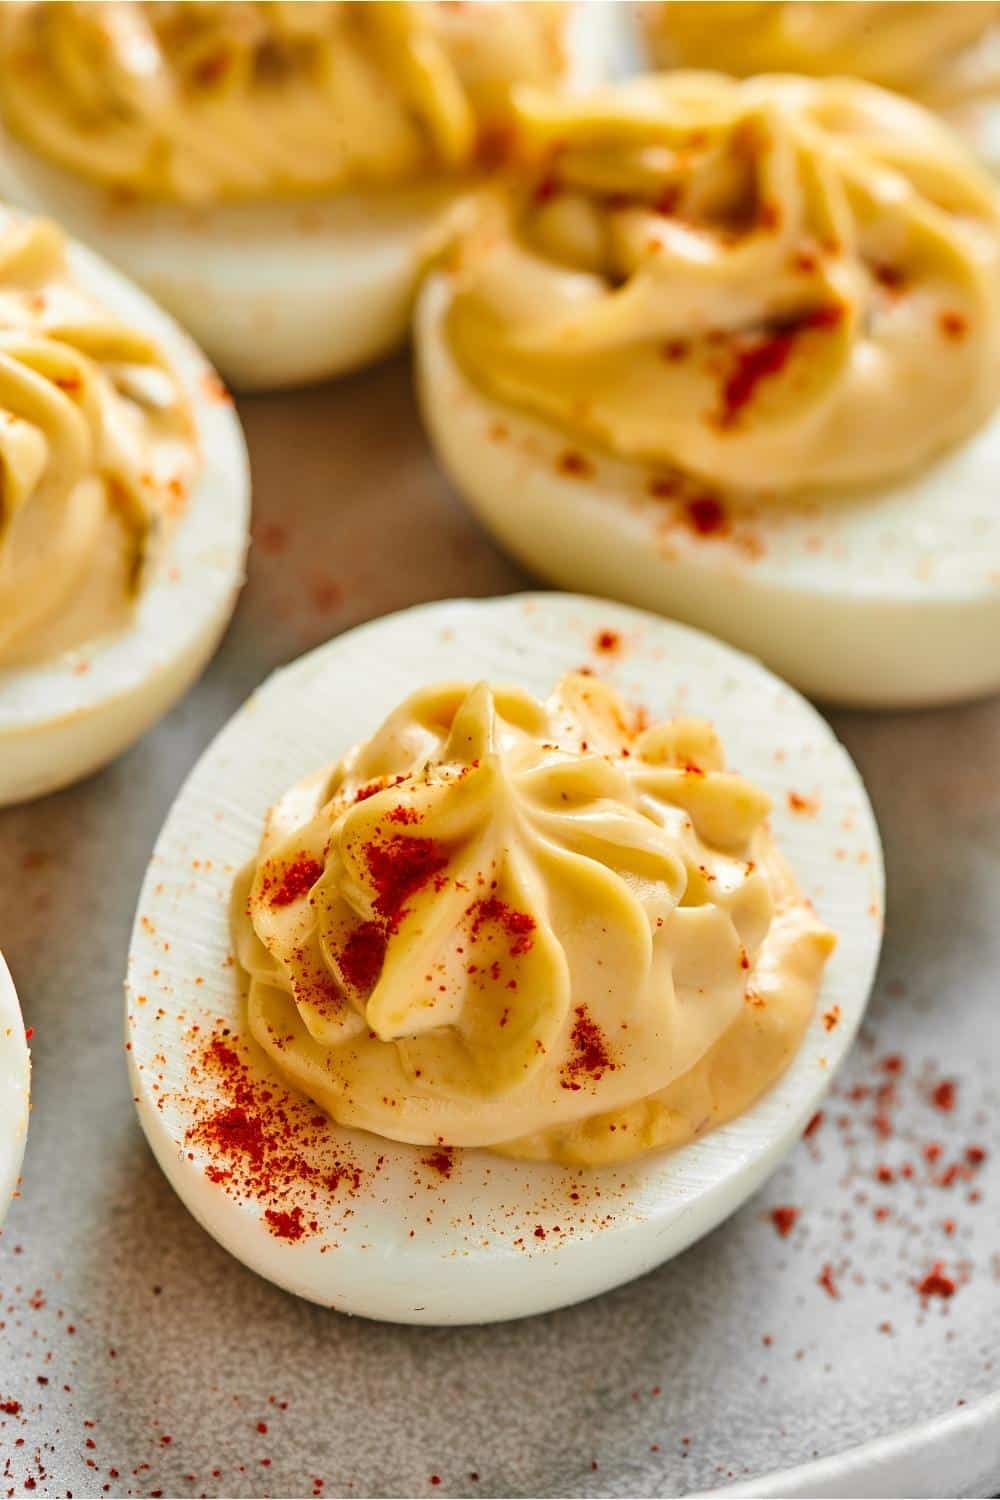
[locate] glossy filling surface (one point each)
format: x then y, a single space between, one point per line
540 928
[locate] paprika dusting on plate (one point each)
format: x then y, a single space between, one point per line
784 1219
936 1283
943 1095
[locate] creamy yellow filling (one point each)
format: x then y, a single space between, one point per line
944 54
97 452
774 286
210 101
536 928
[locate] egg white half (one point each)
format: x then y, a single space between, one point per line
63 718
15 1088
885 599
497 1238
283 292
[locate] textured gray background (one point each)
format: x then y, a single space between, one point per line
144 1358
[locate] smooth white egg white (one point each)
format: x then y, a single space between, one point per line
888 599
283 292
62 719
495 1239
15 1088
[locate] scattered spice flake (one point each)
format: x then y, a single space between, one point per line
574 464
211 69
399 867
767 357
944 1094
953 325
214 390
893 278
272 537
805 806
936 1283
784 1218
826 1281
402 814
286 1224
495 143
442 1161
814 1124
706 516
362 956
831 1017
11 1408
325 594
662 486
675 350
590 1058
518 925
669 200
607 640
374 787
264 1144
297 880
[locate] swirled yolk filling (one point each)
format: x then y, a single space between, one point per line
536 928
198 103
97 453
776 286
946 55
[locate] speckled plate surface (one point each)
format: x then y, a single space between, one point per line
136 1357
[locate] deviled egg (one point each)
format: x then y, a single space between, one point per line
945 55
276 175
15 1088
125 517
732 351
468 980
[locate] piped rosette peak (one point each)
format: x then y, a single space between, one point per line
539 928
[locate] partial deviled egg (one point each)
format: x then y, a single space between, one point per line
15 1088
125 510
276 175
494 952
943 53
731 351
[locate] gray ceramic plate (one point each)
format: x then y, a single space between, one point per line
136 1357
